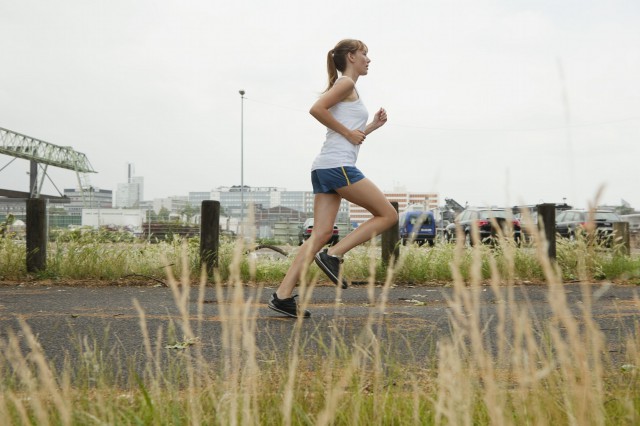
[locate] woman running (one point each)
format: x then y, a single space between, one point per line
334 175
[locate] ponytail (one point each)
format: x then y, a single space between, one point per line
337 58
332 71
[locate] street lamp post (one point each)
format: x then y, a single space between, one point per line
242 92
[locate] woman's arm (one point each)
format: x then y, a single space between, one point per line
320 110
379 120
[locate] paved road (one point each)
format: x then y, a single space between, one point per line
414 319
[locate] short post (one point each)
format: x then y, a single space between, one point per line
621 239
209 234
33 178
547 217
390 240
36 234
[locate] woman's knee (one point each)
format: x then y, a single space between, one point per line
391 216
321 236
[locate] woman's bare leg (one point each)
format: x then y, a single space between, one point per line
325 210
365 194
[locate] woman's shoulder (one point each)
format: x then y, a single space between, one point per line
344 87
345 80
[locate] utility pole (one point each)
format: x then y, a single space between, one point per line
242 92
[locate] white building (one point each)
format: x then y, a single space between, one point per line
174 204
426 201
131 193
129 218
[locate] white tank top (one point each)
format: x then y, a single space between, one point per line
337 151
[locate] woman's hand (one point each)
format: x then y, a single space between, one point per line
379 120
356 137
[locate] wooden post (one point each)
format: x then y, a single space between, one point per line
621 238
209 234
33 179
390 240
547 217
36 234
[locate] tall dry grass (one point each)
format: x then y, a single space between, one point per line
536 371
531 375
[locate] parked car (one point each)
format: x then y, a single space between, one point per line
634 222
571 222
484 218
418 226
307 228
528 217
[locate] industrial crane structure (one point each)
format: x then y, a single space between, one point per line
43 154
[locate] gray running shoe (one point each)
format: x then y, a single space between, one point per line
288 307
330 265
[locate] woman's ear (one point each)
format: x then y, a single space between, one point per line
351 56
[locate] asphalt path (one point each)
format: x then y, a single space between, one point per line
68 320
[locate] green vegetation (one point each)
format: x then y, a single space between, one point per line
106 255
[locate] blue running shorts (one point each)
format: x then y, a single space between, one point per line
326 181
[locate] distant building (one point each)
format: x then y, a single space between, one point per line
273 207
146 205
12 206
261 197
131 193
118 218
127 195
426 200
196 198
95 198
174 204
265 198
266 220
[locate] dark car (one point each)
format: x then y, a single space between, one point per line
307 228
418 226
484 218
528 217
571 222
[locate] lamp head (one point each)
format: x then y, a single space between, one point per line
241 92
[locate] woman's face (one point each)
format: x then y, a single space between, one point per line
361 61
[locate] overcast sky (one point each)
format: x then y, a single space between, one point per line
490 102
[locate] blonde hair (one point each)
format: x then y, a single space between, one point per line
337 58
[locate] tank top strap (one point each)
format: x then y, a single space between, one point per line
354 86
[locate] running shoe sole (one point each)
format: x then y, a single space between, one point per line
275 308
328 272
